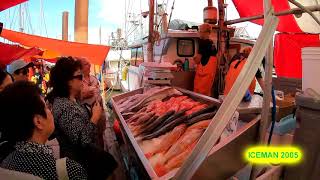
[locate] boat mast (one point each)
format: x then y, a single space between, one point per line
21 19
151 31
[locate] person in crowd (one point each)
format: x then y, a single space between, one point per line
91 94
76 125
5 79
206 63
2 66
19 69
28 125
235 67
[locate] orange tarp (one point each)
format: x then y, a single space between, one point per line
5 4
96 54
9 53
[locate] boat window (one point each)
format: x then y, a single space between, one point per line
140 54
185 47
133 53
133 56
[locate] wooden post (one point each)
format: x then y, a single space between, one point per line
65 25
231 102
151 31
221 48
265 121
81 21
265 115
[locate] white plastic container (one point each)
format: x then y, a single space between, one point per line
311 68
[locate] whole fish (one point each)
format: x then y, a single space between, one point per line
166 128
201 117
171 118
149 128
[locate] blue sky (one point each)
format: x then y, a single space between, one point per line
53 18
109 14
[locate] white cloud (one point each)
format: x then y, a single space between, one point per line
94 35
113 12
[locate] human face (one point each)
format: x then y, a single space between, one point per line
21 75
5 82
49 128
85 67
44 126
76 83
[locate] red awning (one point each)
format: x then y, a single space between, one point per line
9 53
248 8
287 53
96 54
5 4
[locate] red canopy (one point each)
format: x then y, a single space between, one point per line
247 8
287 53
96 54
14 52
5 4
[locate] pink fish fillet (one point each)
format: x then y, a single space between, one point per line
183 142
171 138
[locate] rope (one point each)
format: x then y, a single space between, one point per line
172 8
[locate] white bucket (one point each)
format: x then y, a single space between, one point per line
311 68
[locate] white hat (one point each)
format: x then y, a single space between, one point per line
16 65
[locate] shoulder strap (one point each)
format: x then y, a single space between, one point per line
238 63
61 166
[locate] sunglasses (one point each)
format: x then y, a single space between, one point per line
79 77
24 71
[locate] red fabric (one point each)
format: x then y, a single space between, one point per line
287 53
247 8
5 4
10 53
96 54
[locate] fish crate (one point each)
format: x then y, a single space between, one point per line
224 159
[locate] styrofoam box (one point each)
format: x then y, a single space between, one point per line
311 68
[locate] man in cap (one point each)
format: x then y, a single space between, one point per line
19 70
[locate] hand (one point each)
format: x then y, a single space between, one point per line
96 112
88 94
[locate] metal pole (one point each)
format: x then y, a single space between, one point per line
281 13
21 19
306 10
65 25
81 21
151 31
100 34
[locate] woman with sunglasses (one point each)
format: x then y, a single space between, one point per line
76 126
